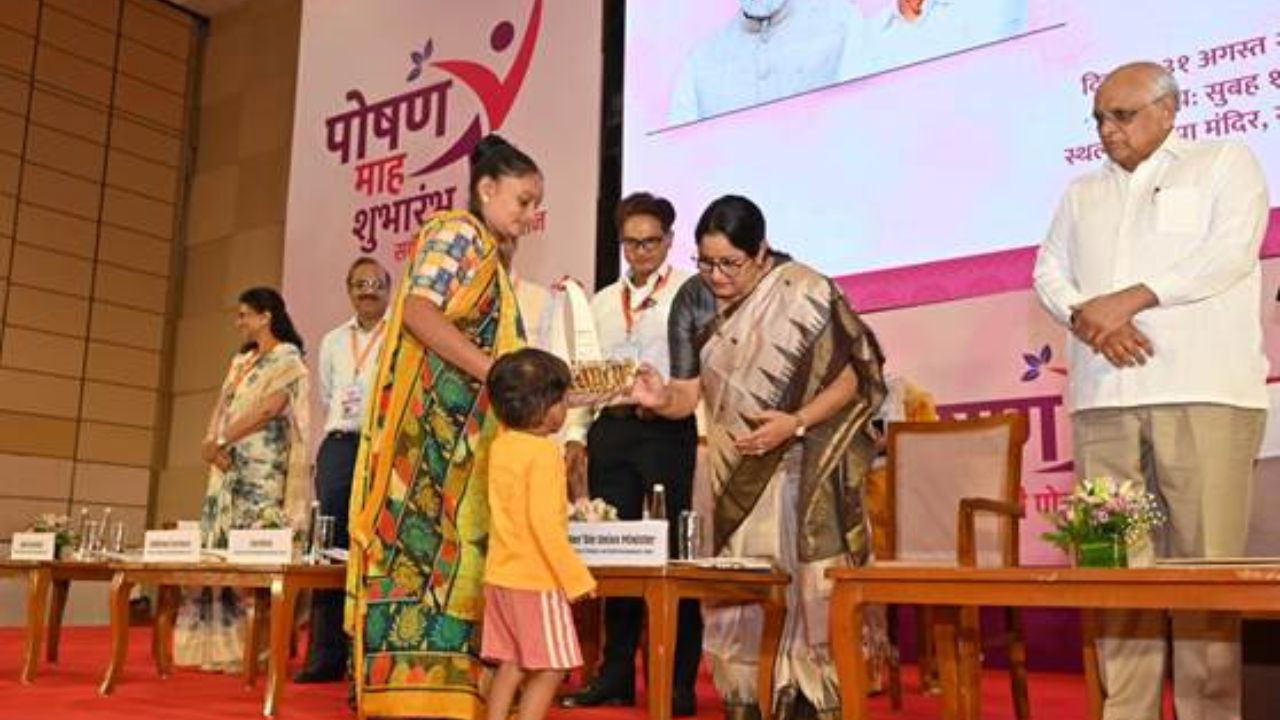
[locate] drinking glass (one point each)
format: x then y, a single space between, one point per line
90 539
117 537
323 539
689 536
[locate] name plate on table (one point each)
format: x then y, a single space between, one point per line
635 543
260 547
171 546
32 546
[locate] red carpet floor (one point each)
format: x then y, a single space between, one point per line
68 691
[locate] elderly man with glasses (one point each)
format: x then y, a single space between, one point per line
1152 263
348 364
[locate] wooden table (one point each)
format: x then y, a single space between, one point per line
662 589
277 584
1236 589
43 614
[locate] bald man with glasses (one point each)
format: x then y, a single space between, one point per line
1152 263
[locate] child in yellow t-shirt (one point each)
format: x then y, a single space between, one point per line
531 572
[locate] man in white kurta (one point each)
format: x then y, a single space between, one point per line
1152 262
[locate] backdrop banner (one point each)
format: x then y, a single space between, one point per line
391 98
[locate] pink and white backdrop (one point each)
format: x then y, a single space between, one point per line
392 96
391 99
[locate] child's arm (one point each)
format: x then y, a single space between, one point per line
549 523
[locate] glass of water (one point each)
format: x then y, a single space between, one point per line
117 537
689 537
90 539
323 539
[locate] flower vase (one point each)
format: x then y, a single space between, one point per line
1103 553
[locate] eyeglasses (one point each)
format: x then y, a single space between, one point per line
373 285
730 267
647 244
1120 116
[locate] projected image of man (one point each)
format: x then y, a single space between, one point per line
770 49
909 31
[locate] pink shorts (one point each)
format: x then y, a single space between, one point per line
532 628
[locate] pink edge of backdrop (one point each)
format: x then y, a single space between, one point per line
967 277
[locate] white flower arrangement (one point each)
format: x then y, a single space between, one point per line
1104 509
64 535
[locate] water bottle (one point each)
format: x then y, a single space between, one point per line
82 528
658 502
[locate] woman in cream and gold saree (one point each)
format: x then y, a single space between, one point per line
419 511
790 378
255 446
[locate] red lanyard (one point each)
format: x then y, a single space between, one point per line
359 355
628 315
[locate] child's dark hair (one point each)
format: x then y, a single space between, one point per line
525 384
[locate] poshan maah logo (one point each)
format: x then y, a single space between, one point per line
367 135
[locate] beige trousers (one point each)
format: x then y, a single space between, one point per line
1198 459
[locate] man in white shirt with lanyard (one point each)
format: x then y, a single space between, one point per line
348 366
1152 262
628 449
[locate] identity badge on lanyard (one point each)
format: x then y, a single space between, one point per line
631 311
352 395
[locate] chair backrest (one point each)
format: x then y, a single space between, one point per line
931 466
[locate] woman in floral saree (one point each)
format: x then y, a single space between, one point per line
258 476
790 378
419 511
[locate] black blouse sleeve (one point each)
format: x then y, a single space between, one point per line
692 312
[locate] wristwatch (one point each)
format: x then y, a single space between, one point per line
799 424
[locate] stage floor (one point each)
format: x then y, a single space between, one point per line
68 691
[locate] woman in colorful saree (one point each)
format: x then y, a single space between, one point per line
258 472
419 513
790 378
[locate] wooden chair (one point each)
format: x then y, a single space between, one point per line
939 478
